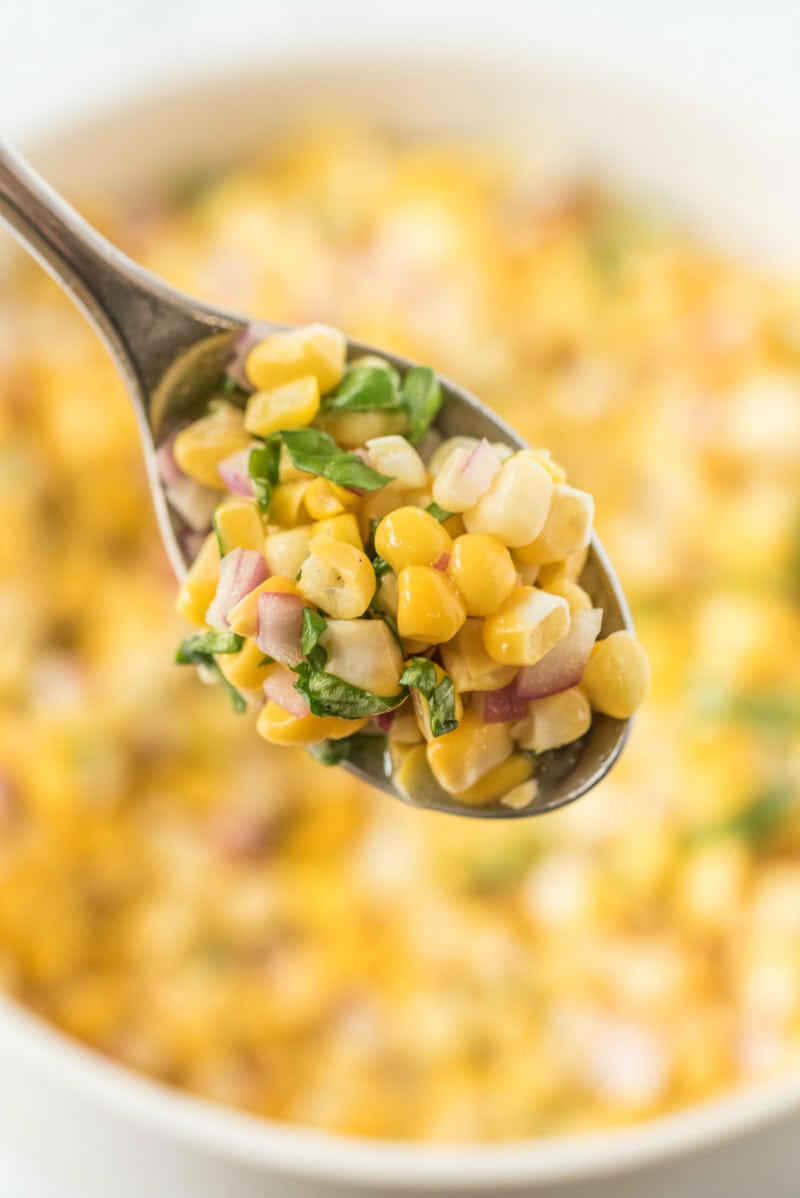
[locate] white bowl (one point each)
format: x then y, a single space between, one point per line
97 1129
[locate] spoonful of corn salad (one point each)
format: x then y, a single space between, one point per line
374 561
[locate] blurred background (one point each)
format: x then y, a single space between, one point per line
60 60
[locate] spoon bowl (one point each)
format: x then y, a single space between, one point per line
171 351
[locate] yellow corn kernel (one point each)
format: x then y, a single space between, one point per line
461 758
568 527
409 536
429 608
542 456
351 429
324 499
286 504
397 458
337 577
571 567
417 496
514 771
375 506
342 528
577 598
287 471
242 669
514 508
200 447
616 675
243 618
554 720
455 526
292 405
279 727
238 525
286 551
469 665
526 626
283 357
422 706
200 584
411 773
482 569
365 654
386 594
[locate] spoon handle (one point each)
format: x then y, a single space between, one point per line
144 323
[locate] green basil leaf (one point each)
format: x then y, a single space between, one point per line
359 747
327 694
263 467
440 696
314 452
313 627
421 396
195 650
438 513
364 389
380 565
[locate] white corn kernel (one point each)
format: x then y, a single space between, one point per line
515 507
554 721
397 458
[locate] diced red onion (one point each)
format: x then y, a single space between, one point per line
240 571
235 366
280 627
504 705
279 687
168 469
442 562
563 666
193 502
480 467
235 473
385 719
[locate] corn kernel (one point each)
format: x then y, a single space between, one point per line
544 458
341 528
337 577
279 727
571 567
386 595
616 675
456 487
351 429
515 507
286 356
429 608
482 569
526 626
446 449
554 720
243 618
374 507
577 598
469 665
238 525
461 758
363 653
286 503
199 448
292 405
498 782
243 669
200 584
409 536
395 457
324 499
568 527
286 551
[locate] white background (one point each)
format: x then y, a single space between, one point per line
59 58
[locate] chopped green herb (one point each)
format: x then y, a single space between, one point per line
229 386
440 696
199 650
380 565
421 397
313 627
327 694
314 452
361 746
437 512
365 389
263 467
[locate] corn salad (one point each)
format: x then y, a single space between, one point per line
239 923
354 584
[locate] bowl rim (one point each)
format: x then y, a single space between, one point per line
306 1152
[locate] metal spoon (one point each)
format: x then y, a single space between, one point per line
171 351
